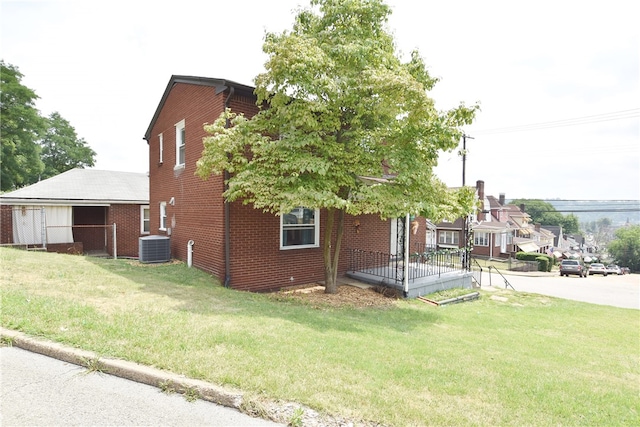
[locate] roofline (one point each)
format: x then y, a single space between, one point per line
68 202
219 84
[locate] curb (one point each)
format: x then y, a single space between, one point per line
124 369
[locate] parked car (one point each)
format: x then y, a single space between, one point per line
597 268
613 269
625 270
573 266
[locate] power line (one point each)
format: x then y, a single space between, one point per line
597 118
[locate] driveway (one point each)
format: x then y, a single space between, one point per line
616 291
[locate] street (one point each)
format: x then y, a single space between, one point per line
37 390
617 291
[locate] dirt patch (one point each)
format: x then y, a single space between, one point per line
347 296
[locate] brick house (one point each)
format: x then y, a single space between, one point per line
492 231
247 249
74 212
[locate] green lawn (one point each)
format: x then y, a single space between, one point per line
529 360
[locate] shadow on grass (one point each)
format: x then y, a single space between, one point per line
197 292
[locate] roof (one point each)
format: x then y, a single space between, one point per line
491 226
219 84
528 246
84 187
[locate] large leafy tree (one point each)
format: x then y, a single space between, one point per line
20 127
625 248
62 149
546 214
339 105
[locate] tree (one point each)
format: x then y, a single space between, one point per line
625 248
340 105
62 149
545 213
570 224
540 211
20 128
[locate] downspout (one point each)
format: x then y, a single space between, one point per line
227 221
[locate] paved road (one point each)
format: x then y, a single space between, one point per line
37 390
617 291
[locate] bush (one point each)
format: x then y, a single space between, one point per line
544 261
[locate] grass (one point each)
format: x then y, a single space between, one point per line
529 360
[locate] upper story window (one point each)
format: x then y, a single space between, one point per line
300 228
180 144
448 237
145 223
163 215
480 238
161 147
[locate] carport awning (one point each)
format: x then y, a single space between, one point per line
528 247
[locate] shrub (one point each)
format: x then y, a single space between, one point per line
543 263
534 256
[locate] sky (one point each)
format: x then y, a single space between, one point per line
556 81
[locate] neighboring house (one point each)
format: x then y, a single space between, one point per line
498 230
490 237
245 248
74 212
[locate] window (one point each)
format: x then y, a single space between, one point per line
163 215
300 228
180 143
480 238
448 238
161 145
145 225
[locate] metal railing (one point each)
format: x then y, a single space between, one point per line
476 271
506 282
421 264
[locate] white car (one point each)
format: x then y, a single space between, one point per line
597 268
613 269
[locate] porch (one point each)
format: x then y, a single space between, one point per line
426 272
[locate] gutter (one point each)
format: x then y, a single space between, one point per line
227 221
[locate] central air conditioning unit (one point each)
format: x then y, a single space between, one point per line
155 249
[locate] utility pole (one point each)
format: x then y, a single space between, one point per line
464 155
465 232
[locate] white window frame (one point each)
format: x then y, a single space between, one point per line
180 144
480 238
161 146
451 237
316 228
144 220
163 216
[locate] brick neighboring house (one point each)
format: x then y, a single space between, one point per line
498 230
246 248
74 212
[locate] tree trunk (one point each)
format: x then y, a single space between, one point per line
331 261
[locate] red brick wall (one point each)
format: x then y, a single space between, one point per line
197 212
92 238
258 263
6 224
128 229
